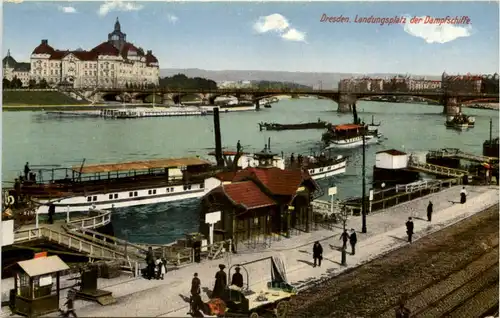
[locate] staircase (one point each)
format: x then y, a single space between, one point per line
216 250
438 170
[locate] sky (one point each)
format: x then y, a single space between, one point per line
274 36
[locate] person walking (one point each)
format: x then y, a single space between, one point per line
429 211
51 212
150 261
70 309
195 294
353 239
220 282
317 253
409 229
463 195
345 238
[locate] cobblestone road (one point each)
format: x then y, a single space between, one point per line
436 274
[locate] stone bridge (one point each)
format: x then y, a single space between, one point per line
451 101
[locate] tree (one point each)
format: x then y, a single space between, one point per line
16 83
181 81
32 83
6 83
43 84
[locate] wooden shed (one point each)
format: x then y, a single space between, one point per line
37 286
391 159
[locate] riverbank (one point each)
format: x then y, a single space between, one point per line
33 97
70 107
386 232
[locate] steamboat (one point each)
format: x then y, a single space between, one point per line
116 185
351 135
460 121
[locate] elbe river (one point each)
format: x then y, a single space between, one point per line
39 139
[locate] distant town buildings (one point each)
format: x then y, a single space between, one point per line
235 84
115 63
406 83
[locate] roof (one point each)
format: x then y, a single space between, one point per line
150 58
141 165
106 48
348 127
227 153
248 194
22 67
43 265
9 60
43 48
393 152
278 181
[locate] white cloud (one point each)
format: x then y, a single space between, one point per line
435 33
172 18
68 9
278 24
118 5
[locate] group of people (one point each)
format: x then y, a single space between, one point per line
156 267
219 288
351 238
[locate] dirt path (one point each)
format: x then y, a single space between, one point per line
435 274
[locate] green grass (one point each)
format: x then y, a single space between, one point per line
18 98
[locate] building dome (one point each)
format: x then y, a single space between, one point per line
43 48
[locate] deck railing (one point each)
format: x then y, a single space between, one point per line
101 219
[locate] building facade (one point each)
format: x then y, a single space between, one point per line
13 69
115 63
471 83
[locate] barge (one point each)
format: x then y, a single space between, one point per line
349 136
274 126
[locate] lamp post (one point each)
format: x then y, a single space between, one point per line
363 195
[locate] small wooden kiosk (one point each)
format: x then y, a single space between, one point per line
35 291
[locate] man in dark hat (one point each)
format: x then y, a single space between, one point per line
463 195
237 279
195 294
317 253
429 211
220 282
26 171
409 229
353 239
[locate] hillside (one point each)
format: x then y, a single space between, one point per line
326 80
38 98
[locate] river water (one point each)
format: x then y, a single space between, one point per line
42 140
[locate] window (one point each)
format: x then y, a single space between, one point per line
94 198
89 199
154 191
202 186
168 189
171 189
135 193
130 194
149 191
116 195
110 196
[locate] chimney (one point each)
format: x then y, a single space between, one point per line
45 42
150 52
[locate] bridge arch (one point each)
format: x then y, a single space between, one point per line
178 98
149 98
331 97
111 97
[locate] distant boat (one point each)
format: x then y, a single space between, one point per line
273 126
349 136
460 121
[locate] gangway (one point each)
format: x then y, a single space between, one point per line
437 170
458 154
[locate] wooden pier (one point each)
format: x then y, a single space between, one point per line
80 235
458 154
436 170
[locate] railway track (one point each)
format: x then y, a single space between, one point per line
438 298
451 273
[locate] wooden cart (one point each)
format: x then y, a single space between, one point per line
272 301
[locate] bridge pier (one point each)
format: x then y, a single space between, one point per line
345 104
451 107
257 104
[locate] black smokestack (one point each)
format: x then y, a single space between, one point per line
218 141
355 113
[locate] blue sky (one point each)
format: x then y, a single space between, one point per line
268 36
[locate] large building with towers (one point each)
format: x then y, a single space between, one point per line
114 63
